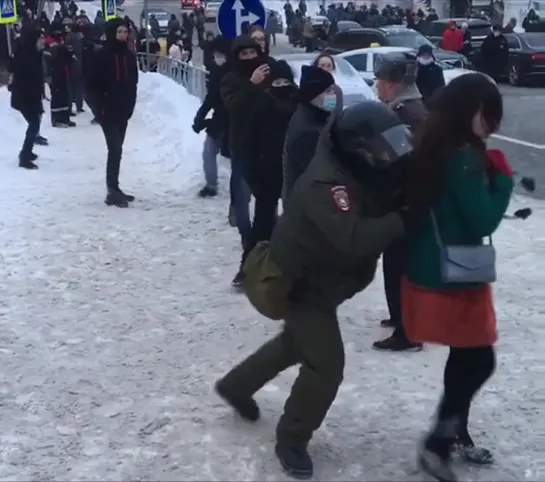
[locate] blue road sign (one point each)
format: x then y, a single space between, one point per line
233 14
8 11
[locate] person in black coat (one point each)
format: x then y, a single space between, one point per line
27 91
495 53
311 116
429 76
243 91
217 126
112 86
263 171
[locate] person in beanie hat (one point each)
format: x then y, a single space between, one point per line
112 86
429 77
317 99
396 87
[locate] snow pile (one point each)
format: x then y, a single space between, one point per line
91 8
115 324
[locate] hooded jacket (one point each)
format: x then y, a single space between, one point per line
243 100
27 87
113 80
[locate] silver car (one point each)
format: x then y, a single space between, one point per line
346 77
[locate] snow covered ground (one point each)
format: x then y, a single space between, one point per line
114 324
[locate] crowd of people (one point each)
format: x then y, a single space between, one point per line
405 179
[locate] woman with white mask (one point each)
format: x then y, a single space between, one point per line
429 77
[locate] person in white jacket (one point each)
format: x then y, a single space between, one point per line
177 52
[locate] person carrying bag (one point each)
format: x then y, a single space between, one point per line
457 194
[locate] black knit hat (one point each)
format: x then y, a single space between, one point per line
314 81
280 69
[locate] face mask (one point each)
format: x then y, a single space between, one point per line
497 34
330 103
425 60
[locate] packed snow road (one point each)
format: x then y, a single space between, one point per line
116 323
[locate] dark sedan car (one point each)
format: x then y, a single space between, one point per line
526 58
391 36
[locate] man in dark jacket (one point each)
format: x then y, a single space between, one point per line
396 86
112 85
306 124
27 91
340 217
429 77
217 126
74 40
495 53
243 93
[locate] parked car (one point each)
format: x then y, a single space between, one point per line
211 10
365 61
478 28
189 4
526 57
391 36
162 17
346 77
344 25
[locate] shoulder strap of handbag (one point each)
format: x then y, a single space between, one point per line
438 238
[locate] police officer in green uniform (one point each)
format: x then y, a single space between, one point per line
396 87
340 217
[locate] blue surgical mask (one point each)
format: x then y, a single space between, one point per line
330 102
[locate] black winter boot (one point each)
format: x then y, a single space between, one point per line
26 160
295 460
116 198
246 407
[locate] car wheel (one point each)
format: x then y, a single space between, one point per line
514 76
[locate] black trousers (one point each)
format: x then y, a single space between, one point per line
33 128
394 262
265 210
114 133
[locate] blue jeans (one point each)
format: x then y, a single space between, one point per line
240 195
210 161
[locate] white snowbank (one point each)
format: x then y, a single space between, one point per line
91 8
114 324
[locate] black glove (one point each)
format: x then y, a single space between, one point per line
522 213
528 183
198 125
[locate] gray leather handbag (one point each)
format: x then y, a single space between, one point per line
466 263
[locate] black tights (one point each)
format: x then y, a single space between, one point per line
466 371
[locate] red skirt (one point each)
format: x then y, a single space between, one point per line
457 318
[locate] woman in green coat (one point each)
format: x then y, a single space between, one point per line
457 193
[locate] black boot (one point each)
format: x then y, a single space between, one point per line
238 280
387 323
208 191
397 343
295 460
41 141
26 160
246 407
71 124
116 198
129 197
434 456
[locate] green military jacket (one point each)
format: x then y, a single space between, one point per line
470 208
333 229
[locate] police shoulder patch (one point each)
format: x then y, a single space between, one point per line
340 198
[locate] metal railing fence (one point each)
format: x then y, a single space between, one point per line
192 77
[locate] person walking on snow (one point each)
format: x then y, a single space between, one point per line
112 84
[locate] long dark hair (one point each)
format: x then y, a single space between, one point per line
448 128
327 55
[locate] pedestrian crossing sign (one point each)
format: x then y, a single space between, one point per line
8 11
109 7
